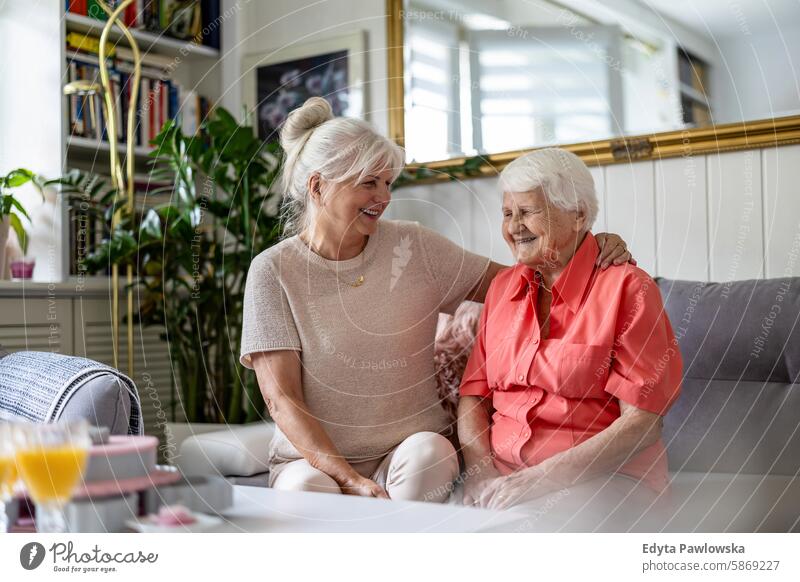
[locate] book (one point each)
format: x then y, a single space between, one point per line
86 43
76 7
211 23
198 21
95 10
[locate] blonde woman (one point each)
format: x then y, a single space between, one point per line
340 318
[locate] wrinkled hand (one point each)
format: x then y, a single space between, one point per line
475 485
613 251
358 485
512 489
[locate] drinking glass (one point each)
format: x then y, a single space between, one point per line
51 459
8 471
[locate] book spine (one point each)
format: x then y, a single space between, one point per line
94 10
115 78
164 104
154 107
76 6
123 100
73 102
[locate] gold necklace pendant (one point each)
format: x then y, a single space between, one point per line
358 282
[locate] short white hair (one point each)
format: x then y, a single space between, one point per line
339 149
562 176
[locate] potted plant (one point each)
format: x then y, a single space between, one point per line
190 256
11 210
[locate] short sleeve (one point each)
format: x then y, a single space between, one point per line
474 381
454 270
267 323
647 367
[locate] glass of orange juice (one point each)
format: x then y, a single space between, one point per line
8 470
51 459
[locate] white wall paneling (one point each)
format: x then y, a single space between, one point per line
735 226
487 203
600 224
446 208
721 217
681 218
630 209
781 185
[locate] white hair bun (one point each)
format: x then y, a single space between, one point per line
313 113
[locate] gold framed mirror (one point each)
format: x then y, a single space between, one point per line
692 138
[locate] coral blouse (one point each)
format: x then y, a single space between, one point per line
609 340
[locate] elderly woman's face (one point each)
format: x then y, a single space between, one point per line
538 233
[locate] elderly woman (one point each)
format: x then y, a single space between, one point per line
579 364
340 317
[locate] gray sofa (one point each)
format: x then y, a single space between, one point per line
732 437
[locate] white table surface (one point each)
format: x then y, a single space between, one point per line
261 509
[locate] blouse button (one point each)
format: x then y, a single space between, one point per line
521 377
536 341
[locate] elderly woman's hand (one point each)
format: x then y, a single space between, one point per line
358 485
515 488
475 485
613 250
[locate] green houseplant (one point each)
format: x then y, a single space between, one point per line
191 253
12 211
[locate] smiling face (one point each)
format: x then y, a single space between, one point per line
353 208
539 234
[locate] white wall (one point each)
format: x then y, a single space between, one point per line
31 118
758 75
720 217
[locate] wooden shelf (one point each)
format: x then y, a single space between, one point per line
148 41
85 147
95 285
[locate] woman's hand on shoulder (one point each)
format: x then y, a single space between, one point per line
613 250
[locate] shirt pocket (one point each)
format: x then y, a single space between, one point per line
583 370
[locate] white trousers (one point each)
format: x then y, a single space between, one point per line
421 468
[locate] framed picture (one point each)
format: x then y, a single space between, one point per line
278 81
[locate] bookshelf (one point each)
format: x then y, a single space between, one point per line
84 147
184 63
148 41
185 66
195 67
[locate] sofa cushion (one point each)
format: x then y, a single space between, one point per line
742 330
237 450
103 401
738 409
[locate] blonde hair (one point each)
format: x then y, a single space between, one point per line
562 176
339 149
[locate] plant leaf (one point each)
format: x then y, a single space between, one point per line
22 236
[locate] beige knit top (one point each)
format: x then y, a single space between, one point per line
367 351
